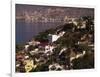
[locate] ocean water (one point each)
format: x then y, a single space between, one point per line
26 31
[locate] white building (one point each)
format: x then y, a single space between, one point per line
55 37
52 38
55 66
49 49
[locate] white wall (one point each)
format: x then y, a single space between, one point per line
54 37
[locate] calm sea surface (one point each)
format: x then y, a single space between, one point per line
26 31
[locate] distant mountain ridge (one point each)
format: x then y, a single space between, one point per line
51 11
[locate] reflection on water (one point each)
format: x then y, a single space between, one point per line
26 31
